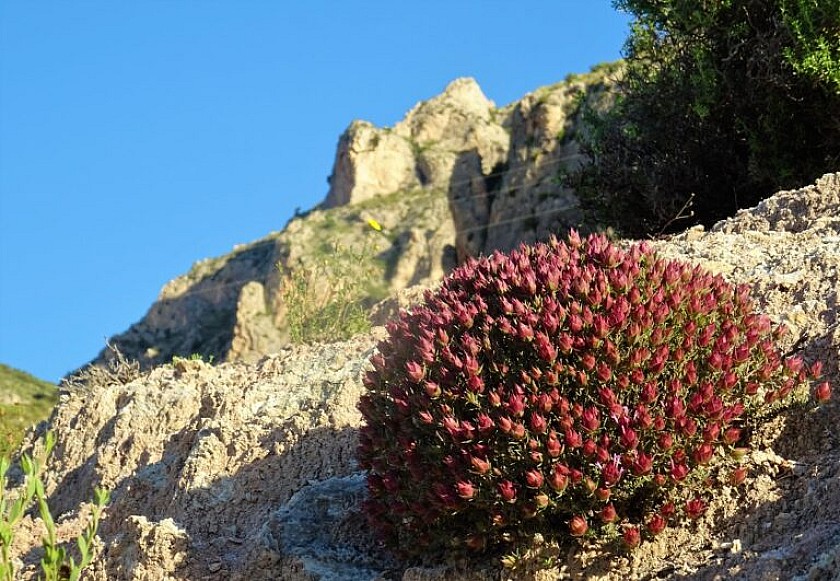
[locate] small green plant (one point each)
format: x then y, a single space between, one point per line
194 357
566 390
327 299
56 564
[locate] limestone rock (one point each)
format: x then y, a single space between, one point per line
370 162
524 198
420 150
456 177
247 472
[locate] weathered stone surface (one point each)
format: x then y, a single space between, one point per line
420 150
526 197
457 177
246 471
370 162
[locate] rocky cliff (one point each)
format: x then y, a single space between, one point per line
245 470
457 176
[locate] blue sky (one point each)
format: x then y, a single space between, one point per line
139 137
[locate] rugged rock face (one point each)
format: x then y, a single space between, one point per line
246 471
420 151
456 177
502 168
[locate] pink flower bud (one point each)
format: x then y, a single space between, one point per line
648 392
573 438
738 476
450 424
516 405
588 361
703 453
642 464
731 436
475 384
606 395
505 424
628 437
632 537
553 446
611 473
656 524
822 393
590 419
564 341
481 466
695 508
558 480
545 349
578 526
711 432
465 489
608 514
426 417
538 423
432 389
485 424
415 371
729 380
507 490
534 478
679 472
604 372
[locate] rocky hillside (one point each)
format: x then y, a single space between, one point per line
245 471
457 176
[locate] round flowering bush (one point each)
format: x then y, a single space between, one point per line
566 389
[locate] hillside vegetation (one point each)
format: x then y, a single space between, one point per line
24 400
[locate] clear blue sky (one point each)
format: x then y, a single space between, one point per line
139 137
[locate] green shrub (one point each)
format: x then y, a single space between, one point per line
56 564
328 298
565 390
723 103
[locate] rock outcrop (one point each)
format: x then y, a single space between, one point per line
502 168
456 177
246 471
419 151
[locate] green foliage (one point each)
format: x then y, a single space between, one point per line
815 50
723 100
24 401
328 298
566 390
56 564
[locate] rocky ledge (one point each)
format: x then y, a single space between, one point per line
246 471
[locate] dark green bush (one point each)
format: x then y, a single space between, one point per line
564 390
723 103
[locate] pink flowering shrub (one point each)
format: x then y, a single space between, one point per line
567 389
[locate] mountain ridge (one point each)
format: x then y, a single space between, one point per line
456 177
